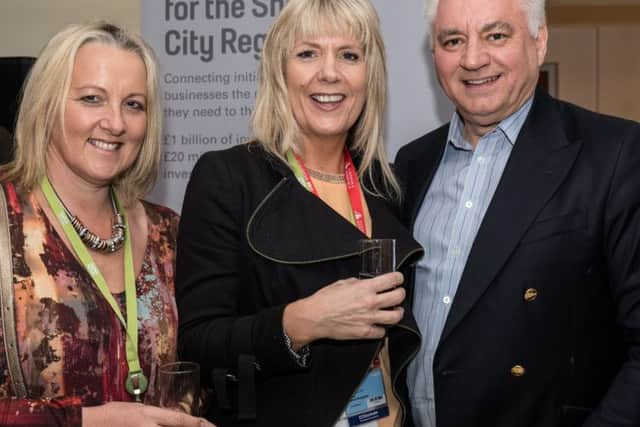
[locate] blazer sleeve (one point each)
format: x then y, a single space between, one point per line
218 328
621 405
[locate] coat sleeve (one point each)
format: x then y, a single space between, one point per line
219 328
621 404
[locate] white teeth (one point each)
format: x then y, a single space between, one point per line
481 82
103 145
328 98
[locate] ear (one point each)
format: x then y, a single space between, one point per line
541 43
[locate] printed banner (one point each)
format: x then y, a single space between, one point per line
209 52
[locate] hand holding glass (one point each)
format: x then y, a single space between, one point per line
378 256
177 387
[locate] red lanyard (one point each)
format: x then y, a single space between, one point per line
350 177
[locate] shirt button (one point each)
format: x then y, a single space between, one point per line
455 251
468 204
446 300
481 159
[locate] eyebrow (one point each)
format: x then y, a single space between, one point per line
492 26
319 46
442 35
101 89
497 25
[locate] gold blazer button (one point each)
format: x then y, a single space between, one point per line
518 371
530 294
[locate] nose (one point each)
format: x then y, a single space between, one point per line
475 55
329 71
113 121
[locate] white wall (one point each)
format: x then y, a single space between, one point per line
26 25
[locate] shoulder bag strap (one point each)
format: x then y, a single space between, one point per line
6 302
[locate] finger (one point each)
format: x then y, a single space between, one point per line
385 282
390 316
169 418
390 298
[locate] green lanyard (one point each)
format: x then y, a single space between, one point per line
136 382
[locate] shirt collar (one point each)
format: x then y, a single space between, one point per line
510 126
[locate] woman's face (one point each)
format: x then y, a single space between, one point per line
326 81
105 115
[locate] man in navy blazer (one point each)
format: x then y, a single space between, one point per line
528 296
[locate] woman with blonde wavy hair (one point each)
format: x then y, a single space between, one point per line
268 252
88 308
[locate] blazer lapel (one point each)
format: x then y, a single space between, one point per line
424 164
540 161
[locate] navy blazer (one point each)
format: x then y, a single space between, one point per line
544 329
252 240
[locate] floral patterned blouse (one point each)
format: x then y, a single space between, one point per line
71 344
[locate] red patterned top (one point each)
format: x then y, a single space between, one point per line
71 344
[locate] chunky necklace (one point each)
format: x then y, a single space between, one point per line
91 239
333 178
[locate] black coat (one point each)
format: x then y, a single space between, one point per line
564 222
252 240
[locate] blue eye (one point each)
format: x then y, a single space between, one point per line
351 56
136 105
304 54
91 99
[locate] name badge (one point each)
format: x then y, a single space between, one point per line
368 403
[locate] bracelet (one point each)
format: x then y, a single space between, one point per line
301 356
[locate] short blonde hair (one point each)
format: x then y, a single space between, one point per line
273 123
43 103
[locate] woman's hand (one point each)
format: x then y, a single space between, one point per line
347 309
125 414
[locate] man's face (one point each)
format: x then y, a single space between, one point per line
486 59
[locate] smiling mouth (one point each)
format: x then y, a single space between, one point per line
103 145
480 82
327 99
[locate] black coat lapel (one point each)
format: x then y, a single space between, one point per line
540 161
293 226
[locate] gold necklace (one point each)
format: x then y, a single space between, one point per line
332 178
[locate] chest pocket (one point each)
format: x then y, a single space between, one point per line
556 225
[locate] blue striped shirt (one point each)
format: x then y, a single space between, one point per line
446 227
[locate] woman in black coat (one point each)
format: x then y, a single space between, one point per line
268 242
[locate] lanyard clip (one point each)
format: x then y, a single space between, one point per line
136 384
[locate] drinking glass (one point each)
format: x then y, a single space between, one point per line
378 256
177 387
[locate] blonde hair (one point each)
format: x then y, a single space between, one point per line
273 123
43 103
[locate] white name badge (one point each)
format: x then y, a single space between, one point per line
368 403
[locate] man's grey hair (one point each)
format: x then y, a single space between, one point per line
534 9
